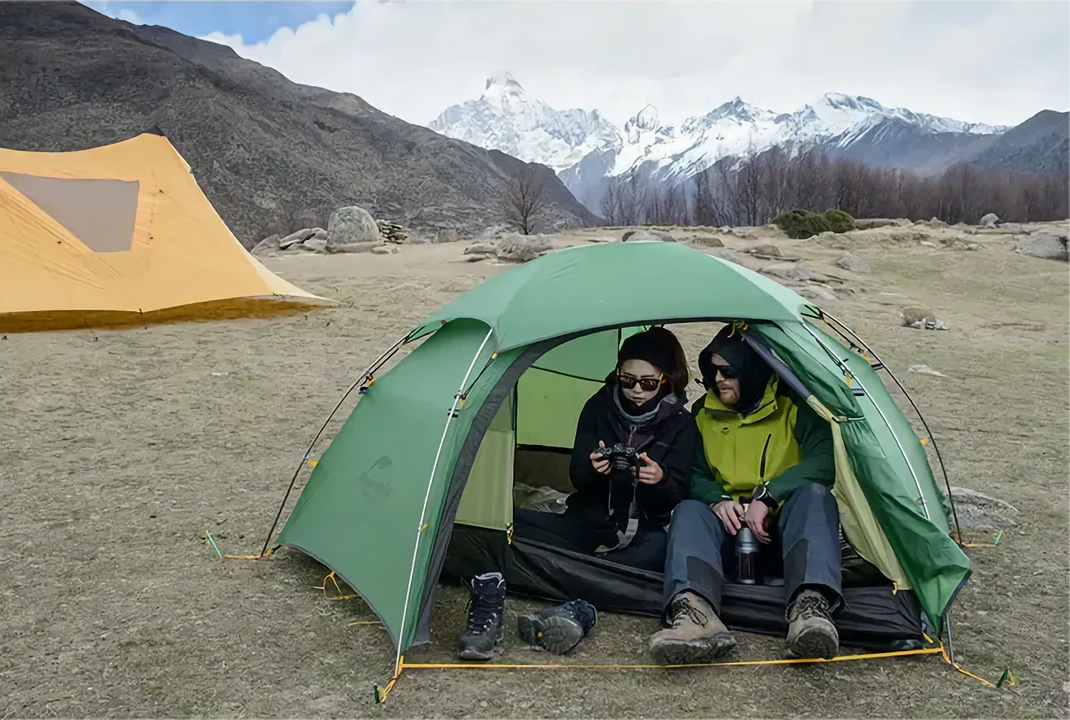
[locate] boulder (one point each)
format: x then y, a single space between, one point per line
296 237
383 250
361 247
1043 244
479 257
726 254
870 223
925 370
963 245
647 236
271 242
789 271
766 249
315 244
817 293
481 248
990 220
350 226
936 222
850 261
521 248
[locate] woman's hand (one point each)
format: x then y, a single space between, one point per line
755 517
601 464
731 514
650 473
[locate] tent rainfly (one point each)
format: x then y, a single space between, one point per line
122 234
420 477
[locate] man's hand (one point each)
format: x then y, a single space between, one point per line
650 473
731 514
755 517
600 463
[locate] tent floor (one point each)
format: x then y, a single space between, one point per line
874 618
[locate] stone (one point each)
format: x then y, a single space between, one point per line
315 244
871 223
978 511
481 248
647 236
920 318
705 240
850 261
990 220
479 257
962 245
296 237
383 250
925 370
936 222
789 271
1043 244
271 242
521 248
361 247
351 225
817 293
766 249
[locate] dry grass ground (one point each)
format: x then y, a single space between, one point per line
119 449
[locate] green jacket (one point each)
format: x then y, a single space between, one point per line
783 443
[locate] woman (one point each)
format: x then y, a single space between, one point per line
623 502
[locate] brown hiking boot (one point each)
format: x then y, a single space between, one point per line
811 632
696 635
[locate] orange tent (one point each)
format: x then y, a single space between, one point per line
122 234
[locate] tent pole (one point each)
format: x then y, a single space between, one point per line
427 496
846 370
929 432
304 458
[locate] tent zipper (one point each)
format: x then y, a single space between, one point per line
761 468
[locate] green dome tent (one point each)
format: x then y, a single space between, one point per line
429 454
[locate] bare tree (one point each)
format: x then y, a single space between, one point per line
525 199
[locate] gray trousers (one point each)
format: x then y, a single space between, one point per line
808 534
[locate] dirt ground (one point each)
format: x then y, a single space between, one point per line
120 448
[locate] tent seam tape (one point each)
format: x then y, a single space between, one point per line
427 496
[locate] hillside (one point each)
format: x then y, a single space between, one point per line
1039 145
270 154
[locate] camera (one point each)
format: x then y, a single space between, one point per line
621 457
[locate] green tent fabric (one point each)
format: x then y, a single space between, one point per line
512 361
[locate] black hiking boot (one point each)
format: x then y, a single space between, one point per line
811 632
558 629
482 638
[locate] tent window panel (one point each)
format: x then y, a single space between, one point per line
487 500
99 212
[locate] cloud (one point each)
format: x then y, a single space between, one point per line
130 16
997 62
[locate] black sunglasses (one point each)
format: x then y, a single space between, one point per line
727 372
647 384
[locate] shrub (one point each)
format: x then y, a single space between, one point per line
800 224
839 221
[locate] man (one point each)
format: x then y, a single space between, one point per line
763 446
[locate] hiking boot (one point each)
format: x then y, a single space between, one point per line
558 629
482 638
811 632
696 634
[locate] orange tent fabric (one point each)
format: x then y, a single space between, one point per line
122 234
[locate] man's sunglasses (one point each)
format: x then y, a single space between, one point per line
646 384
727 372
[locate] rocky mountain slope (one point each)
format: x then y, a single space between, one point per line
844 126
270 154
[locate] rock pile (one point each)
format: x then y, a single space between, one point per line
393 233
511 248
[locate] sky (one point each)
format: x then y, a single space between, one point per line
994 62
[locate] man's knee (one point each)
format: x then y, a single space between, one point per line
689 511
812 494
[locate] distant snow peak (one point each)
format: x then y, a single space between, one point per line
502 80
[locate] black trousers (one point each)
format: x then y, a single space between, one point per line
582 531
808 534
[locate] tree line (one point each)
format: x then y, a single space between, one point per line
754 190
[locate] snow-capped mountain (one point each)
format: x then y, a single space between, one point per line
507 118
586 149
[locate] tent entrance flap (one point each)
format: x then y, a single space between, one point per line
487 499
